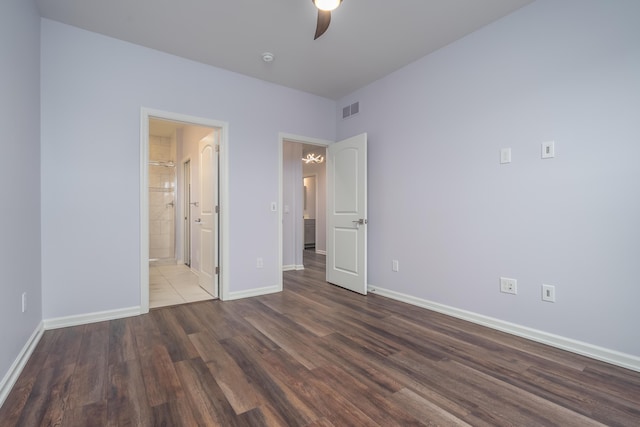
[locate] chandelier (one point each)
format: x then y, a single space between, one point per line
313 158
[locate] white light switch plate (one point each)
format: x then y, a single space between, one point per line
505 155
548 150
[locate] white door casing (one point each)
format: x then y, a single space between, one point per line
347 214
208 220
186 212
221 131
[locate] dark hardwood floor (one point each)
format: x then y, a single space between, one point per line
313 355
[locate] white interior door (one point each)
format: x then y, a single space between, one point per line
347 213
208 221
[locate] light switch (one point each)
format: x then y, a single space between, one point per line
505 155
274 206
548 150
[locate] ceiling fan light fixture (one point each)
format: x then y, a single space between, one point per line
327 5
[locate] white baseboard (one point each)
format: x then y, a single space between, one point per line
292 267
83 319
321 252
614 357
17 366
253 292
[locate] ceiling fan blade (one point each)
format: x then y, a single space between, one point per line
324 19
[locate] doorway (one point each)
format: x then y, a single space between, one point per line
303 213
186 254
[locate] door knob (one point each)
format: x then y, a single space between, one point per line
197 220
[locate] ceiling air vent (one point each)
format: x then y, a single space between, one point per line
350 110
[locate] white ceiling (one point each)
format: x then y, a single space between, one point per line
367 39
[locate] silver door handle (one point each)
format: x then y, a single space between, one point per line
359 222
197 220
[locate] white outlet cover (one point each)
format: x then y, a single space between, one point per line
508 285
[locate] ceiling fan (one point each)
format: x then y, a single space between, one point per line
324 14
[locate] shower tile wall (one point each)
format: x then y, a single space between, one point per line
162 181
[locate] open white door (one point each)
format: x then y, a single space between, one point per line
347 213
208 221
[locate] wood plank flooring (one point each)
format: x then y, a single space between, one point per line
313 355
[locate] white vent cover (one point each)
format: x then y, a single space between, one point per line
350 110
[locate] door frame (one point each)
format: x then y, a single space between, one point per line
186 211
282 137
223 197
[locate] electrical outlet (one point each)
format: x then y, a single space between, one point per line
24 302
508 286
259 263
548 293
394 265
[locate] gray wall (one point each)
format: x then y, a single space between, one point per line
20 177
441 204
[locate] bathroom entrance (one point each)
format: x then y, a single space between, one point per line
183 176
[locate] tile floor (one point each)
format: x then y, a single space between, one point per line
171 284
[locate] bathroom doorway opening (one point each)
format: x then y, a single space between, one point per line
183 174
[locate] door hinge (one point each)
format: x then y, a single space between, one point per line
217 270
217 209
217 148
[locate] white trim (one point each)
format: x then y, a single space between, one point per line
282 137
321 252
614 357
144 212
18 365
254 292
223 196
84 319
292 267
186 210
